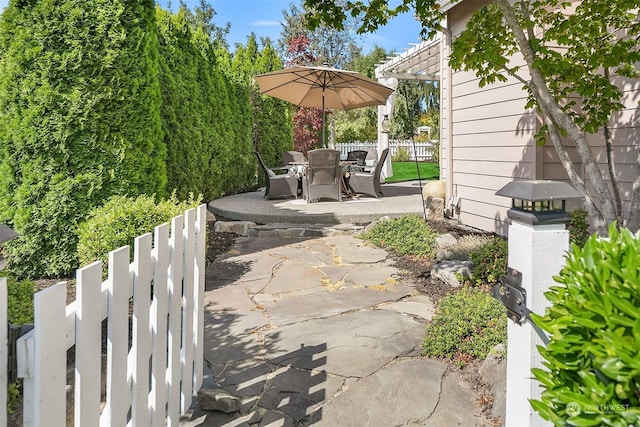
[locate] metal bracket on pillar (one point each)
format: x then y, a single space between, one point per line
511 293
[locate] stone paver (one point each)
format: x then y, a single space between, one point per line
322 331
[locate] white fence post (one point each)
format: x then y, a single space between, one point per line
88 344
4 351
200 266
538 242
175 319
118 391
189 235
50 367
141 348
160 313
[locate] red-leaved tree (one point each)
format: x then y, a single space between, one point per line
307 121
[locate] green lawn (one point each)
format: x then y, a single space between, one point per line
406 171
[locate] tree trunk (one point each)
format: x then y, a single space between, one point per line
634 210
612 169
576 180
550 108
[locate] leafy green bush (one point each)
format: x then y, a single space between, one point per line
468 323
402 155
592 374
19 301
578 227
408 235
14 397
490 261
119 221
46 217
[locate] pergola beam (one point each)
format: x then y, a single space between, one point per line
420 62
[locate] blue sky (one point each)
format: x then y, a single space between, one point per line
263 18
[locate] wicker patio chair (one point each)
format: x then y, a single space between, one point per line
357 156
289 157
323 175
369 182
283 185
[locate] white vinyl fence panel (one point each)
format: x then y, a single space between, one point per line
4 352
151 380
424 151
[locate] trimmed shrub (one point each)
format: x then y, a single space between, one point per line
490 261
592 362
578 227
467 323
408 235
119 221
49 208
402 155
19 301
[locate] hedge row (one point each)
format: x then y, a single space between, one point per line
116 98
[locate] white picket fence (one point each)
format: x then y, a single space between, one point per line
156 302
423 150
4 351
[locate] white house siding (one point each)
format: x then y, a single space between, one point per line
625 133
445 112
492 139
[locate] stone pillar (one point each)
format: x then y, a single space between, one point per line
537 251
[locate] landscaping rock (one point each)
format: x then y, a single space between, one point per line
238 227
434 189
374 223
217 400
494 374
435 208
444 243
447 271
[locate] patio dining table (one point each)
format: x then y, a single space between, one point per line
298 168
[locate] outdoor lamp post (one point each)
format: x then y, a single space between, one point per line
6 234
539 202
538 242
386 124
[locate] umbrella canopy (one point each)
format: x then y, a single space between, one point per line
323 87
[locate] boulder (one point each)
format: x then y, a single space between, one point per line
444 242
238 227
217 399
494 374
447 271
435 208
435 189
374 223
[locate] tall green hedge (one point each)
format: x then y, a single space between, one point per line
120 97
79 120
206 117
272 129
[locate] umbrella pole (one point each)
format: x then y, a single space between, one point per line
324 144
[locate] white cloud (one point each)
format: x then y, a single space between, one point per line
3 4
262 23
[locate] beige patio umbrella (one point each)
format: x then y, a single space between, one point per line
323 87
